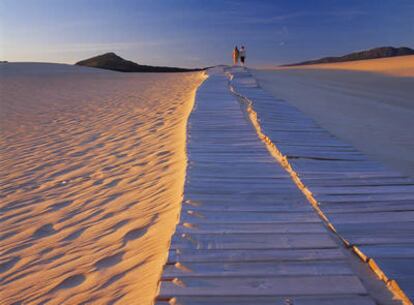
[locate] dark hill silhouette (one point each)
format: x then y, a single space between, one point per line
368 54
111 61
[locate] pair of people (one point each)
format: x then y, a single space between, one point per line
239 54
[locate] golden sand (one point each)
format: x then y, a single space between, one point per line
92 172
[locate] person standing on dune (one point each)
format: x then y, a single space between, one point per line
236 55
242 55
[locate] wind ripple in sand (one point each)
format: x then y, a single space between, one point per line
92 169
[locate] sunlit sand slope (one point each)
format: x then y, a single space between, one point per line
92 169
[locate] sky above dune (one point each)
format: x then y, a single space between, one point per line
200 33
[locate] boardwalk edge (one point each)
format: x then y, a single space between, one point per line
391 284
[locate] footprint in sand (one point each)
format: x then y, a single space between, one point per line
137 233
113 279
110 198
44 230
7 235
74 235
113 183
90 139
7 265
109 261
18 248
119 225
106 216
70 282
159 124
98 182
60 205
164 153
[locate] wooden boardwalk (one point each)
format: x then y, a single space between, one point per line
247 234
370 207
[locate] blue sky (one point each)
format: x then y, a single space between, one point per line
200 33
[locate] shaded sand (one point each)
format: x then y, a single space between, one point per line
92 170
369 110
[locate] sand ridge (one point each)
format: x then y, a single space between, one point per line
92 170
401 66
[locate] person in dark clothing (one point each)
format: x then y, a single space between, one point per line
242 54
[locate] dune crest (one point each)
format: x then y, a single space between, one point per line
92 172
400 66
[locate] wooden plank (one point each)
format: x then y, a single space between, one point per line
322 181
231 189
249 198
365 207
388 251
377 239
241 269
363 197
262 286
380 189
274 300
252 241
208 228
396 268
248 217
254 255
249 207
279 182
374 217
377 232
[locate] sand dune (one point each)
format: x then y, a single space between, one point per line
369 104
92 170
394 66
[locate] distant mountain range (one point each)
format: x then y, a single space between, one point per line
111 61
368 54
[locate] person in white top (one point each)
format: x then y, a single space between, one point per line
242 54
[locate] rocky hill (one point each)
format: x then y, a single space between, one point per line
111 61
